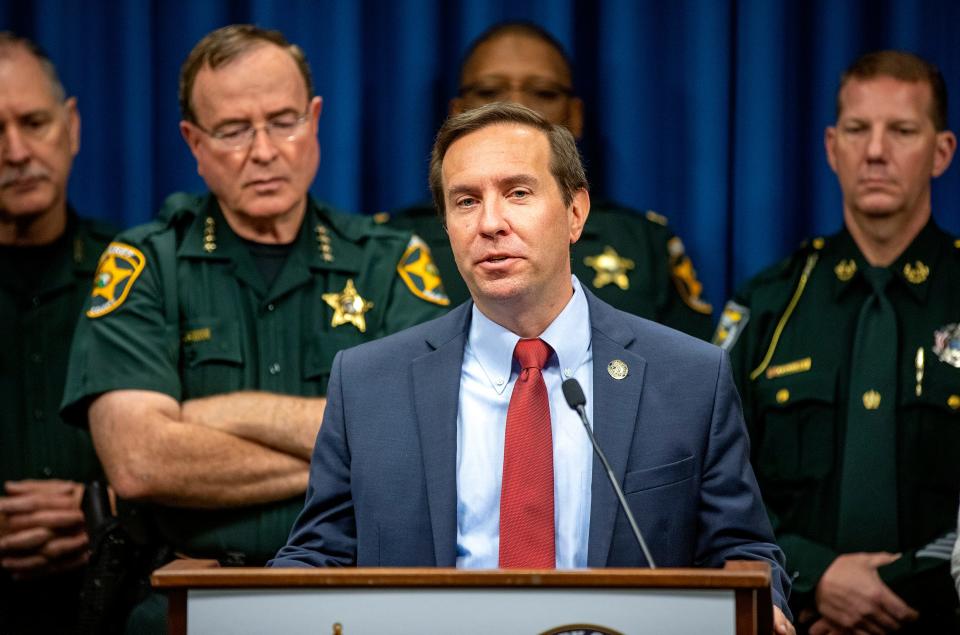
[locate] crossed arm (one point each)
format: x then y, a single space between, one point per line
228 450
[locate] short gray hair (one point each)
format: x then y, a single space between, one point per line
10 41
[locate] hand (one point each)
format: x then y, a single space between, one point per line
853 598
781 625
42 530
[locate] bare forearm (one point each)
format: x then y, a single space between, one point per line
149 454
281 422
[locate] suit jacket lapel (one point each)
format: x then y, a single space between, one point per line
436 393
616 403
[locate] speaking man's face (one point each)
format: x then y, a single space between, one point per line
255 139
884 148
39 136
509 229
523 69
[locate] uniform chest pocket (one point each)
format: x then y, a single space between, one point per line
320 351
212 357
931 426
798 434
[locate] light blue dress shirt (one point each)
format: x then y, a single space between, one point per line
486 384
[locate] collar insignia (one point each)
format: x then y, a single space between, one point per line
845 270
323 244
118 269
916 273
420 274
209 235
348 307
732 322
946 344
610 268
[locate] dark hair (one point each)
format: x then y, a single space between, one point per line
906 67
516 28
225 44
565 164
9 40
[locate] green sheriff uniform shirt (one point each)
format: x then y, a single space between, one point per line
630 260
41 291
790 332
179 307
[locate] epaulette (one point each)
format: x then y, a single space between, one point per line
180 204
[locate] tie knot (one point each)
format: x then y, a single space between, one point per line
878 277
532 353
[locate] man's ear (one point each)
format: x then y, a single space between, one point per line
943 154
73 124
830 146
578 213
575 117
457 106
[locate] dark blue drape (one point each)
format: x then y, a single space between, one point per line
708 111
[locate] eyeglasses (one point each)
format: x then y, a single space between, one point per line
539 93
240 135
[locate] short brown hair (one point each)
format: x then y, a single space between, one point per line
565 164
225 44
906 67
10 40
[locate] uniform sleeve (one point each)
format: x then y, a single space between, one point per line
416 293
123 339
685 309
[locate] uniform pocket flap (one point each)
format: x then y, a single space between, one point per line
783 392
650 477
212 340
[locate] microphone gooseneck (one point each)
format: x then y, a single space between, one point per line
573 393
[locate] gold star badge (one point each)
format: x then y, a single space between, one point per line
610 268
348 307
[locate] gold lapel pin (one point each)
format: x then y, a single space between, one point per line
618 369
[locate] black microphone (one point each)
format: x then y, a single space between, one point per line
573 393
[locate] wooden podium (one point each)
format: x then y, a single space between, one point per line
205 599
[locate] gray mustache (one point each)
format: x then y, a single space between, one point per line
10 175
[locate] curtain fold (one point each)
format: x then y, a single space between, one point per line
709 112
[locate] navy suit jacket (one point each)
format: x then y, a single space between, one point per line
383 481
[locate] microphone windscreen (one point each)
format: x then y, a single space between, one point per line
573 393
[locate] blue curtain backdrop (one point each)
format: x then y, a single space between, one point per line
708 111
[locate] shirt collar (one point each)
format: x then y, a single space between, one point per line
568 335
913 267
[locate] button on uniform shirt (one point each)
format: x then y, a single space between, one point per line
486 384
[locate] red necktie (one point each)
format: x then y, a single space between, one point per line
526 497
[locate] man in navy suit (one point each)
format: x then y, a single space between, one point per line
410 474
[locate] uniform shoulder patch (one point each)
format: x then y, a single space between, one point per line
420 274
732 322
118 268
685 277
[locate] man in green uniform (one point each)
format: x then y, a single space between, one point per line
848 361
631 260
202 359
47 255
